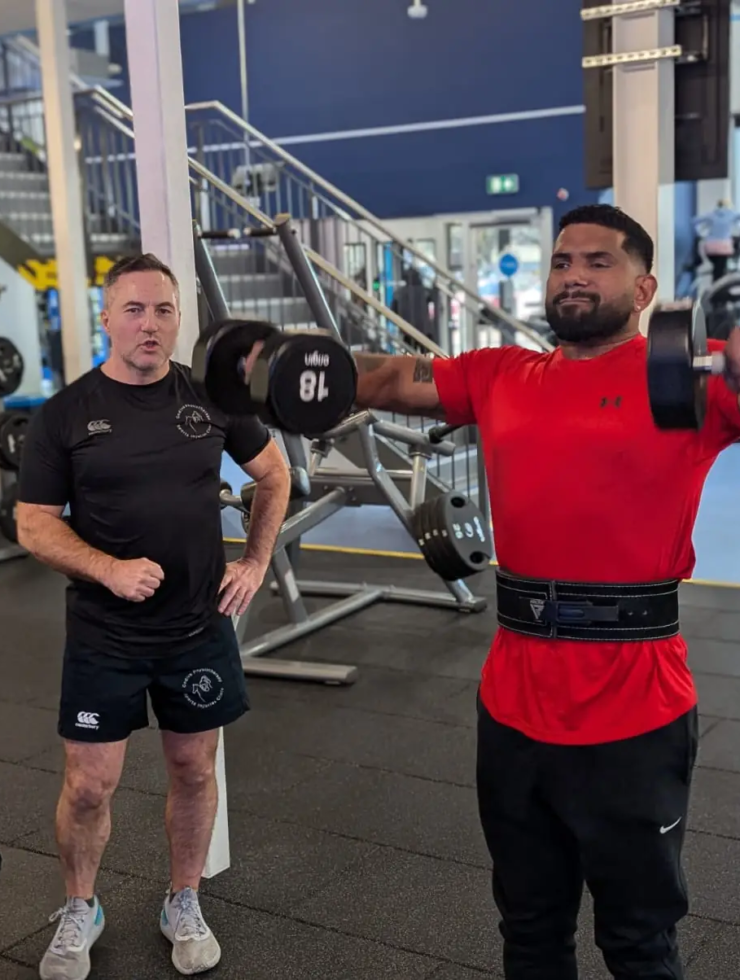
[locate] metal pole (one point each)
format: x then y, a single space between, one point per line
306 276
243 77
206 273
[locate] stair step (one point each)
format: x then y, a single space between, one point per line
13 163
25 202
242 260
13 181
284 312
253 285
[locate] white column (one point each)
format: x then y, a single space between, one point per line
219 856
64 184
102 38
644 134
158 101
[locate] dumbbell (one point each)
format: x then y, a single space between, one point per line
303 382
679 365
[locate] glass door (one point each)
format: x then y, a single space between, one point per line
522 240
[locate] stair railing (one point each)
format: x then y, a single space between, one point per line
237 151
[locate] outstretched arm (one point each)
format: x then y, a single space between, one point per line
397 383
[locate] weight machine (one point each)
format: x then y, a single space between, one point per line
332 490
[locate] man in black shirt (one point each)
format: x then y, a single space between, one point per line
135 451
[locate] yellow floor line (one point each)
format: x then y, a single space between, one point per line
372 553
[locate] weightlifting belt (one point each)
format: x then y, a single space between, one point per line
586 611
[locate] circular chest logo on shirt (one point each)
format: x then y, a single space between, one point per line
203 688
194 421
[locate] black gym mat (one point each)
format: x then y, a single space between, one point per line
356 850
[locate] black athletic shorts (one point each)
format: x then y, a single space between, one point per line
104 697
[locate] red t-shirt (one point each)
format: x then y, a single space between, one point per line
585 488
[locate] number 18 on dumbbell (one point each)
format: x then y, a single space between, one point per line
303 382
313 385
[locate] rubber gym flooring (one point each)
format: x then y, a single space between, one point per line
356 850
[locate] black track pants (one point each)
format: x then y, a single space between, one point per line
612 816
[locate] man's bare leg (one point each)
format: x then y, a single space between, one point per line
191 803
91 776
83 812
190 815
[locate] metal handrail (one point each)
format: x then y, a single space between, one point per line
360 211
319 261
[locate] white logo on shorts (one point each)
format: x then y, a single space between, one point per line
87 719
203 688
101 425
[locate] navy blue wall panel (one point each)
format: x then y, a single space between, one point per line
445 171
340 64
332 65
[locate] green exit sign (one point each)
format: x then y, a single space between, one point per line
503 184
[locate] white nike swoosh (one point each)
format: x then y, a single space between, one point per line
664 830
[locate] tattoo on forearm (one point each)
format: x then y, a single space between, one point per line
423 373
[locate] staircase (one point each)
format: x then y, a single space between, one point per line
25 199
241 181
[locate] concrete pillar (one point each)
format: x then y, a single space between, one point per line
158 102
64 184
644 134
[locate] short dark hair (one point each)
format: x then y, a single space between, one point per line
137 263
637 242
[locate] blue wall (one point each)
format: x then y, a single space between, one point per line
330 65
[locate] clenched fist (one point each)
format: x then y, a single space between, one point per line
136 579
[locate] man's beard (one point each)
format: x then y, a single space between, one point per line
580 324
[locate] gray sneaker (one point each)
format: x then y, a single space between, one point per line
194 947
68 955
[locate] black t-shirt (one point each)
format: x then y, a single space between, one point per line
139 466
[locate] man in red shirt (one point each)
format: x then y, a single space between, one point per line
587 731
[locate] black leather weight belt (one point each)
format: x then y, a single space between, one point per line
585 611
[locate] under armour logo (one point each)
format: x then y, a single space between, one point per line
87 719
616 402
537 606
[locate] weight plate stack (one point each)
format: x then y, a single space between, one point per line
11 368
468 546
13 427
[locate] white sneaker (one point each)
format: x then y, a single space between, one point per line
68 955
194 947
